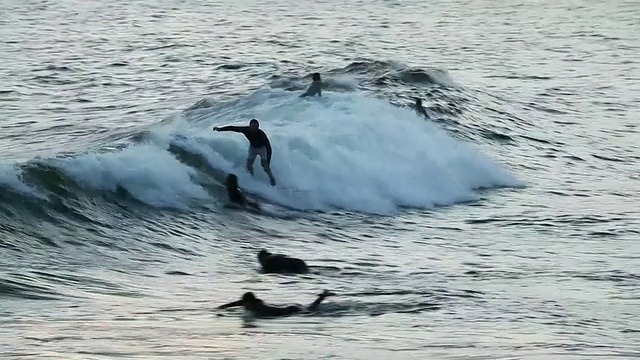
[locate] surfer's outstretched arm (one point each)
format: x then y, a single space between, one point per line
232 304
240 129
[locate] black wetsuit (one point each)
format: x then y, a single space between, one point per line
257 139
314 89
236 196
276 263
261 309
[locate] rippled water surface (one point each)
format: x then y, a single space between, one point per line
504 226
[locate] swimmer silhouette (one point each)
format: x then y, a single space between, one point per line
277 263
235 195
315 87
260 309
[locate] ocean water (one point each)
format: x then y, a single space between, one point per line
504 226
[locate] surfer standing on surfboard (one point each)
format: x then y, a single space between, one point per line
258 145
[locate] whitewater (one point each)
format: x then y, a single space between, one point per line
342 151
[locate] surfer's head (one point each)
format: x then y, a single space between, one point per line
250 301
315 76
248 296
263 255
232 181
254 125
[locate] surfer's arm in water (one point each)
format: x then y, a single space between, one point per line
314 305
232 304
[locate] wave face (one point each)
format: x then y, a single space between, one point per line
342 151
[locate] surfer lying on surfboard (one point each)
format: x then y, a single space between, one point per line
256 306
235 195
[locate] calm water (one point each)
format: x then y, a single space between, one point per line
505 226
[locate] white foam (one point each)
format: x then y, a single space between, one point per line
344 82
147 172
342 150
442 77
351 152
10 177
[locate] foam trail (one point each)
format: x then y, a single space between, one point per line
352 152
147 172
